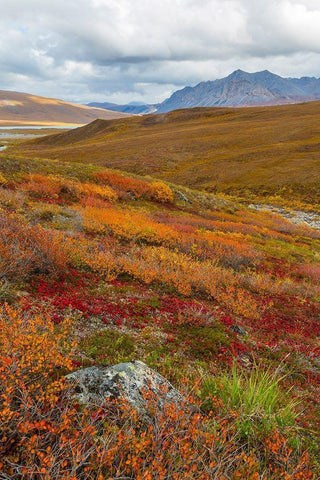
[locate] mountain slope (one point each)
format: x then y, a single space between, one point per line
21 108
244 89
264 149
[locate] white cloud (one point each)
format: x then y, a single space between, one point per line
120 50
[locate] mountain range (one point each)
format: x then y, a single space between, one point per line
239 89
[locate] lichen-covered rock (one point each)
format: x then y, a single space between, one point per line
129 381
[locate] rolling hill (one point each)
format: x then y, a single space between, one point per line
23 109
241 89
261 151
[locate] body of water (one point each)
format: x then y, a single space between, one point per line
21 132
36 127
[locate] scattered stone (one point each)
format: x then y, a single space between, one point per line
128 381
246 360
308 364
238 329
182 197
131 195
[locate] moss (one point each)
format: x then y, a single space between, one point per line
199 342
109 347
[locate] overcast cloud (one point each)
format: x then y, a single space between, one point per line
123 50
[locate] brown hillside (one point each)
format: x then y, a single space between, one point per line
261 149
23 109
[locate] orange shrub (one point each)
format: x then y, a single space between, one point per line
40 186
97 191
3 181
239 301
175 269
98 258
52 187
124 184
230 249
128 225
32 351
160 192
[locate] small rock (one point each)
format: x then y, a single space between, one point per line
238 329
131 195
128 381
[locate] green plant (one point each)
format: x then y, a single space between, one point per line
256 396
202 342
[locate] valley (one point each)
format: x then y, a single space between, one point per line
260 154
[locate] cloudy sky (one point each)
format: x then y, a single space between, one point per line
143 50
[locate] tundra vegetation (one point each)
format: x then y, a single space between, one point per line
261 154
99 267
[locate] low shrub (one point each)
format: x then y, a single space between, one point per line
160 192
26 250
123 184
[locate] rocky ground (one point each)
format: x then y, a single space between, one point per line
312 219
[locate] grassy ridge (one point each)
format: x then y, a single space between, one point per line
260 151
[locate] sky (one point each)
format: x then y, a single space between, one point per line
143 50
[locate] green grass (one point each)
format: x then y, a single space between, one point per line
257 397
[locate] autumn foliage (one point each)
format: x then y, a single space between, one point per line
99 267
45 433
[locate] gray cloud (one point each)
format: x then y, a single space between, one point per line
119 50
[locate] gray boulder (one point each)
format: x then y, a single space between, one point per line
127 381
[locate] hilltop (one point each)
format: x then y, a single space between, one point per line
18 108
244 151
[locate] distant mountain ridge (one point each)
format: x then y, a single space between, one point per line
239 89
243 89
133 108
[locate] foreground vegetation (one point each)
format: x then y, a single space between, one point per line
100 267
